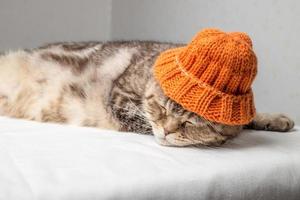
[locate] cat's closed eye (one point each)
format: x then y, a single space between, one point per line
163 110
187 123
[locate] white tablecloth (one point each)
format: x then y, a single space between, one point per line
49 162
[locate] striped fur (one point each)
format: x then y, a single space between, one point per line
107 85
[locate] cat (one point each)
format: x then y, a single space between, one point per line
111 86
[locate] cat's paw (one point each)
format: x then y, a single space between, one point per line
272 122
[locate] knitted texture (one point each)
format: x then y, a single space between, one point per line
211 76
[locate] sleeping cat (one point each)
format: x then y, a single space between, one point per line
108 85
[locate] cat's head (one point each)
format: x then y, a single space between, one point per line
174 125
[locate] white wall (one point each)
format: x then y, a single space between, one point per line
29 23
273 25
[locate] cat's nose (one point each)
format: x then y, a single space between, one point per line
166 132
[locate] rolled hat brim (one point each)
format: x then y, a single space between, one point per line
198 97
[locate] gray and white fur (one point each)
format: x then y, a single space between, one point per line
108 85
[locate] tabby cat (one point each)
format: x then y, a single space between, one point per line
108 85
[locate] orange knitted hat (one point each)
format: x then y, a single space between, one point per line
211 76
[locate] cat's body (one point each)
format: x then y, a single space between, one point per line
77 83
107 85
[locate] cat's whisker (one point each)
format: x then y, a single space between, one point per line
135 106
133 113
126 109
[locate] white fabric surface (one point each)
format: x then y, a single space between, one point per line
48 161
